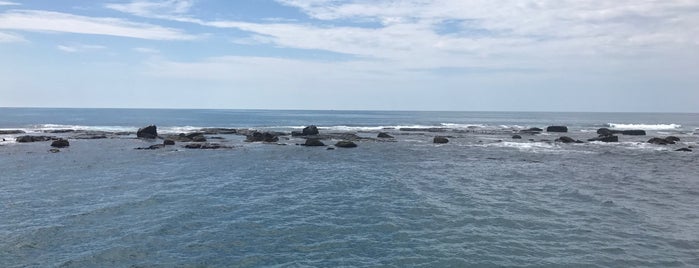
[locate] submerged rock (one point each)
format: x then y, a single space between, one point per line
152 147
60 143
664 141
205 146
565 139
345 144
516 137
610 138
384 135
261 137
683 150
440 139
557 129
217 130
313 142
168 142
28 138
11 131
149 132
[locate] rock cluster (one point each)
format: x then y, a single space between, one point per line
149 132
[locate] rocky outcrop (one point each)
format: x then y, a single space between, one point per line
664 141
28 138
11 131
307 131
557 129
516 137
631 132
609 138
152 147
168 142
531 131
565 139
189 137
683 150
149 132
384 135
313 142
345 144
216 131
261 137
205 146
60 143
440 140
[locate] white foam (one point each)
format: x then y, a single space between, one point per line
645 126
51 127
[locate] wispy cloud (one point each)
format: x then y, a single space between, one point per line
10 38
79 48
146 50
152 8
8 3
33 20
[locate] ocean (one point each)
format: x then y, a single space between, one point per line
484 199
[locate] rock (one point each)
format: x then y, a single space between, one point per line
683 150
330 148
531 131
672 139
604 132
557 129
661 141
149 132
384 135
168 142
11 131
610 138
205 146
631 132
152 147
440 139
565 139
88 136
34 138
313 142
193 146
54 150
199 138
345 144
261 137
516 137
307 131
54 131
212 131
60 143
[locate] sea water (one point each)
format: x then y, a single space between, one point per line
483 199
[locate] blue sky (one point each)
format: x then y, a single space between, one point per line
525 55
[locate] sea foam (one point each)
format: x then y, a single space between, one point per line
644 126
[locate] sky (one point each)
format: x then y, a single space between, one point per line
464 55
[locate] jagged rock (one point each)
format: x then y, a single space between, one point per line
345 144
168 142
440 139
261 137
149 132
384 135
565 139
199 138
313 142
672 138
152 147
516 137
610 138
213 131
631 132
307 131
34 138
60 143
683 150
665 141
557 129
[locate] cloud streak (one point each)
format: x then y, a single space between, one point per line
34 20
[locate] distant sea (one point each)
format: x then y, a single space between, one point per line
484 199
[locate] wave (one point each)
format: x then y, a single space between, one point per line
644 126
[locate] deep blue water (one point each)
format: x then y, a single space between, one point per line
483 199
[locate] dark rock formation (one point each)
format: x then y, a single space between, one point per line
199 138
565 139
610 138
205 146
60 143
384 135
531 131
440 139
10 132
665 141
313 142
34 138
213 131
149 132
672 138
683 150
345 144
55 131
89 136
557 129
152 147
168 142
516 137
307 131
631 132
261 137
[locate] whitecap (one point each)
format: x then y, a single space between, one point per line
645 126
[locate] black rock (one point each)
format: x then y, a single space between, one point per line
193 146
6 132
683 150
199 138
330 148
531 131
660 141
34 138
168 142
310 130
152 147
211 131
60 143
610 138
313 142
440 139
605 132
149 132
384 135
261 137
631 132
565 139
557 129
516 137
345 144
672 138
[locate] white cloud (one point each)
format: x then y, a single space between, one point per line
10 38
151 8
79 48
8 3
30 20
146 50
